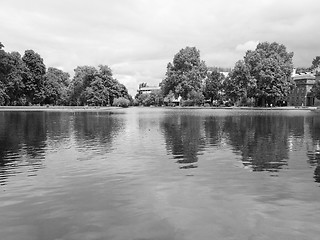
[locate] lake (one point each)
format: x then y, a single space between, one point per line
156 173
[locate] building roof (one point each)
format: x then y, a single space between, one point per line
149 88
306 75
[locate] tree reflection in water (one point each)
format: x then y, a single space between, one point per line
96 130
313 151
22 140
183 138
213 130
261 140
26 137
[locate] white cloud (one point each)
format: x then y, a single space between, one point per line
137 38
249 45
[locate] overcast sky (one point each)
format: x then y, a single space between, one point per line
137 38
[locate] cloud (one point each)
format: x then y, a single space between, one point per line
131 74
249 45
137 38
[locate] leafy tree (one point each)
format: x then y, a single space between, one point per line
194 99
11 69
4 71
84 75
143 99
168 98
121 102
315 63
156 98
33 76
231 89
185 74
316 89
213 85
95 87
55 86
24 80
114 89
270 66
3 95
96 94
240 84
14 86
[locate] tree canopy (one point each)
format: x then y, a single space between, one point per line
185 74
271 66
33 76
315 63
56 87
91 86
316 89
240 85
213 85
264 74
26 81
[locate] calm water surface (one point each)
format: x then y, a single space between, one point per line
147 173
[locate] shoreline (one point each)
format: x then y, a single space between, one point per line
92 109
56 108
291 108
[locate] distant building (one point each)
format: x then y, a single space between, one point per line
224 71
147 89
301 94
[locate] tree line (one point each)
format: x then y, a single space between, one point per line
261 78
25 80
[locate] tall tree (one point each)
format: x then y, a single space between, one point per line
231 89
270 66
15 85
84 75
315 63
110 84
213 84
241 84
11 68
33 77
185 74
55 86
95 87
316 89
4 70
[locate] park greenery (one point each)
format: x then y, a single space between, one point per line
261 78
25 80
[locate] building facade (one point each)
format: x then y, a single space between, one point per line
147 89
301 94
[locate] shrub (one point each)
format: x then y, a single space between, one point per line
135 102
121 102
187 103
195 98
